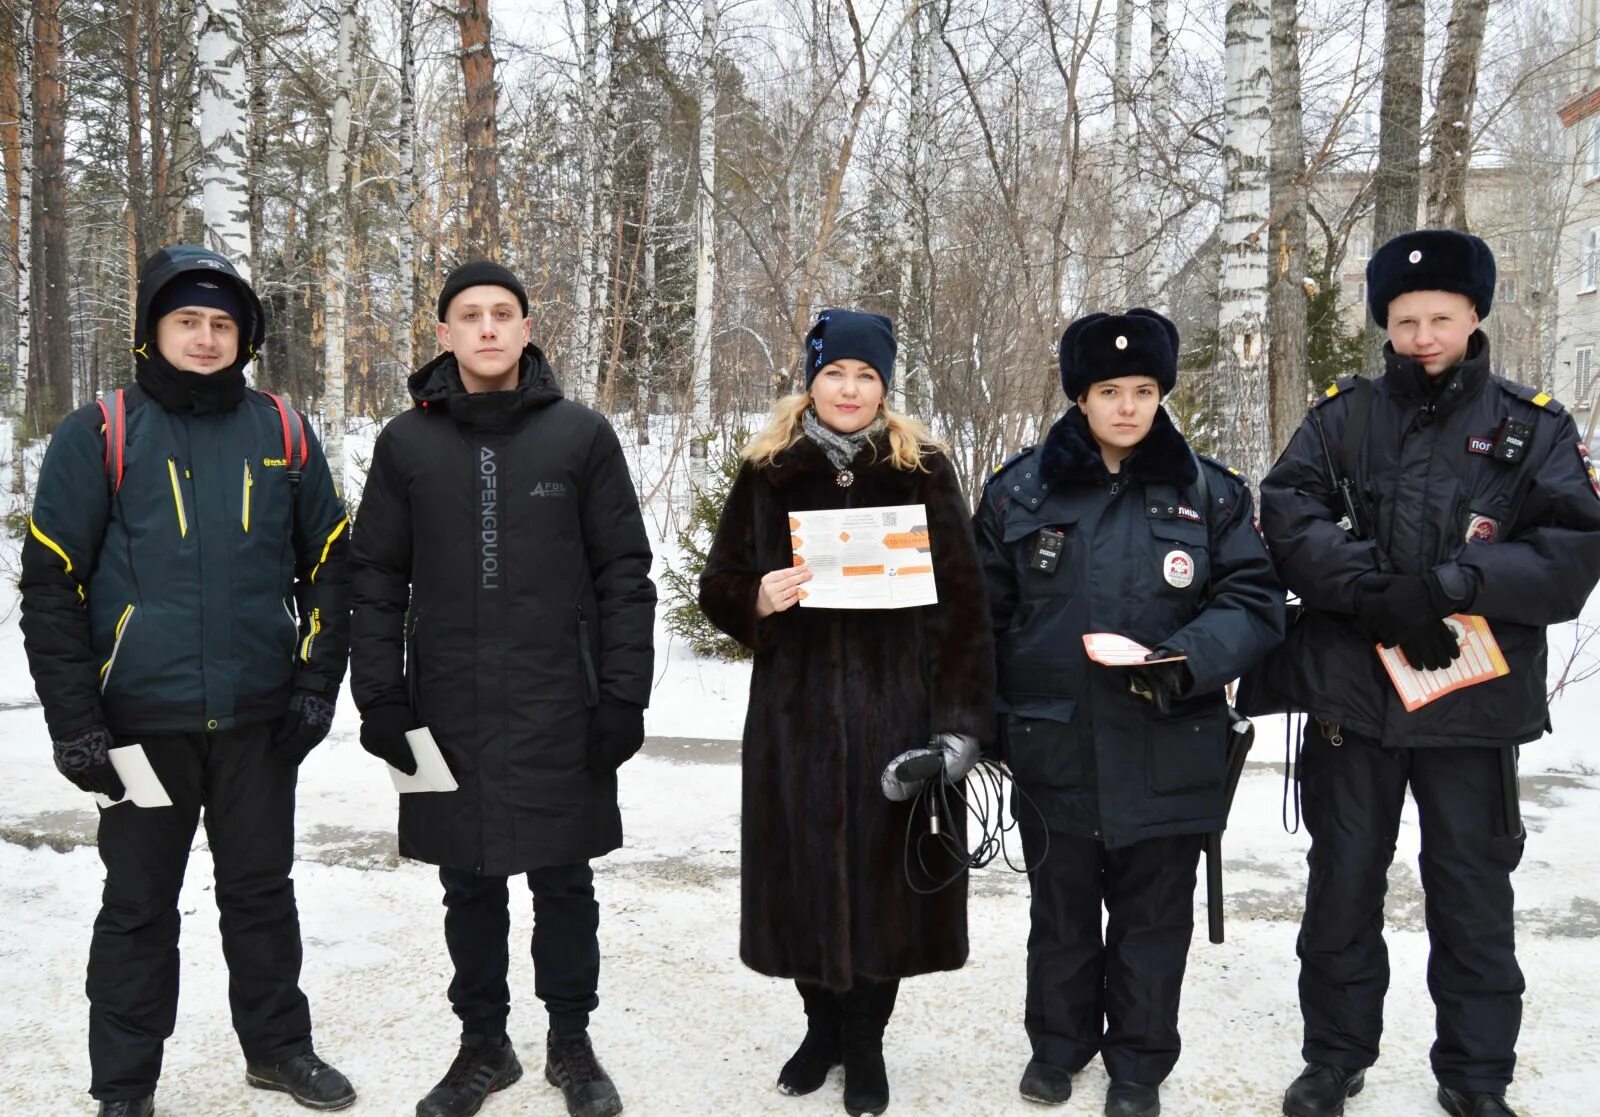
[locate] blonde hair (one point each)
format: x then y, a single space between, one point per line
909 439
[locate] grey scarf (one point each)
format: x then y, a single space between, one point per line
840 448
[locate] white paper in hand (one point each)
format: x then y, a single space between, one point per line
143 787
432 774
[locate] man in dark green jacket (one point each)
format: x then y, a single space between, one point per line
184 589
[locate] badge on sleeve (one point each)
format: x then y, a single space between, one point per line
1178 569
1482 529
1588 467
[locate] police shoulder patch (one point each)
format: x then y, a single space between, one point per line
1013 459
1338 387
1536 396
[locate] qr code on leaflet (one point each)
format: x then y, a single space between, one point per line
890 519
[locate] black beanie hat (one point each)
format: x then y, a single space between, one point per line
476 273
215 292
841 335
1430 260
1100 347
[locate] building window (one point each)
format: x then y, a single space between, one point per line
1582 373
1506 290
1591 262
1594 147
1363 245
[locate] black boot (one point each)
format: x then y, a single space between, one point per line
571 1067
1458 1103
1131 1099
306 1079
1321 1089
129 1107
867 1008
1045 1083
481 1067
807 1069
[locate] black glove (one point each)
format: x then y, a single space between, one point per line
84 759
383 734
616 732
303 727
1389 606
1431 647
1161 683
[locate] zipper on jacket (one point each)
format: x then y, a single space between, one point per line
116 645
177 498
249 483
591 683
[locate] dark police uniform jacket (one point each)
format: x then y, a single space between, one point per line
1142 556
1517 542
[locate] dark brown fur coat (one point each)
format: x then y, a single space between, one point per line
834 696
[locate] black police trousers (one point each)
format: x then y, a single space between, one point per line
1118 998
248 799
566 946
1352 795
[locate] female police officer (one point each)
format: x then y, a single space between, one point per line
1103 528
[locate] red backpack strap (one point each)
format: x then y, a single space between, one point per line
294 435
114 428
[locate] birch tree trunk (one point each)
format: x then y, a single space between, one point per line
1396 184
21 191
407 246
49 351
138 192
482 130
586 287
224 133
1286 297
184 151
1121 272
705 275
1160 135
335 216
1240 377
1450 147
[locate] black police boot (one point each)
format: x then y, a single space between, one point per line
867 1009
1045 1083
1460 1104
1131 1099
306 1079
481 1067
820 1051
129 1107
1320 1091
570 1066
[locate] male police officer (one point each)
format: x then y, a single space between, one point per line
1471 495
175 523
503 600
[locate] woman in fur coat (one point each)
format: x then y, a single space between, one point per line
835 697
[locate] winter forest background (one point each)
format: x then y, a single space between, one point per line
682 185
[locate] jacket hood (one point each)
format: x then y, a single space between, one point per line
167 264
1070 453
437 387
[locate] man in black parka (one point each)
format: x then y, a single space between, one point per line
1476 496
184 589
503 601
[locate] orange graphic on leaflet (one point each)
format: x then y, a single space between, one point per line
859 571
795 543
844 537
914 570
794 524
901 540
799 560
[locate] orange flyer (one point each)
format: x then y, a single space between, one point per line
864 558
1480 661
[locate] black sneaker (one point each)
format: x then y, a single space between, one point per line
306 1079
571 1067
129 1107
1321 1089
481 1067
1045 1083
1131 1099
1459 1103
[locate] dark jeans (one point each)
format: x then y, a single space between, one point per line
566 946
248 799
1120 998
1352 795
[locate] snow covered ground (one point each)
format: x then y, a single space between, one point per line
682 1026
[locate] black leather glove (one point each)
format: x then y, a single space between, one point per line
1161 683
303 727
84 758
1389 606
616 732
1431 647
383 734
